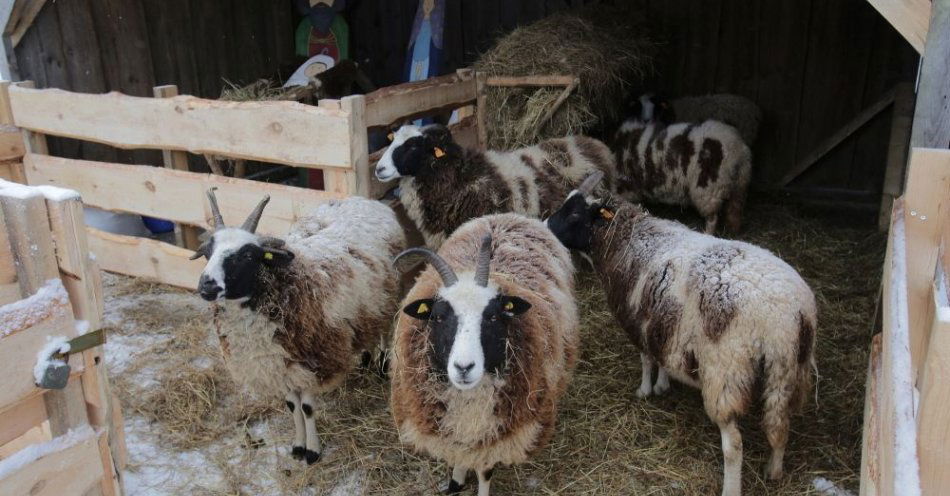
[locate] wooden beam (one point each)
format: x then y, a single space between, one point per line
145 258
911 18
16 28
275 131
897 148
186 235
552 80
60 471
19 418
11 143
175 195
840 135
933 425
388 105
871 430
30 240
932 113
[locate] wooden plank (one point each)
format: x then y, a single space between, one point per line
926 199
17 419
365 186
7 265
30 240
481 109
932 114
386 106
840 135
175 195
60 472
278 131
187 235
34 435
72 253
871 430
6 113
551 80
31 9
933 423
11 143
110 483
145 258
32 142
897 149
911 18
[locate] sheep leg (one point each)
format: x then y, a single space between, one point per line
646 376
313 451
293 404
484 482
711 222
456 480
662 382
732 459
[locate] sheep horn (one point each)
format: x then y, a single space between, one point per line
250 225
215 211
483 262
272 242
587 186
200 252
441 266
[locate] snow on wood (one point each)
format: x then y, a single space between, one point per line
52 193
30 311
34 452
44 358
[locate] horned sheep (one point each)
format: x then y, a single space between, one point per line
725 316
706 165
485 347
442 184
291 314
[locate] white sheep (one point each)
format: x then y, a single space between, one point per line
706 165
723 316
485 347
291 315
442 185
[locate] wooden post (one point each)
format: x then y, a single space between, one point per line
362 176
871 432
16 171
932 113
481 107
934 418
901 120
186 236
33 142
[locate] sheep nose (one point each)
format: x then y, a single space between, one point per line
208 288
464 369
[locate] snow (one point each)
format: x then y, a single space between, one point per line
21 191
22 313
44 359
906 471
825 486
34 452
82 327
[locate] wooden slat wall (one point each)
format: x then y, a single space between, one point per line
812 65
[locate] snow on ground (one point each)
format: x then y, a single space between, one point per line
828 488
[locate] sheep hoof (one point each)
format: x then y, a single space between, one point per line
311 457
773 472
661 389
297 452
644 391
454 487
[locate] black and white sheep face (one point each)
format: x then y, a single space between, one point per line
413 149
572 224
468 330
652 107
235 259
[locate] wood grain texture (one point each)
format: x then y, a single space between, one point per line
145 258
388 105
911 18
68 471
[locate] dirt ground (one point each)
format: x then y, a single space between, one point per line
191 430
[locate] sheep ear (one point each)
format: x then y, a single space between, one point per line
512 305
276 257
419 309
438 152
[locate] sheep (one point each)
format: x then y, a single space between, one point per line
442 185
727 317
706 165
735 110
482 355
291 314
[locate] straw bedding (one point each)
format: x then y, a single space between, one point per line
607 441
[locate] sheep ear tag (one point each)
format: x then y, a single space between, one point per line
438 152
606 214
419 309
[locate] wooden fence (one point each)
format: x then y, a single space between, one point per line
907 420
67 441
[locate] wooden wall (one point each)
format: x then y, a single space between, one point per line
812 65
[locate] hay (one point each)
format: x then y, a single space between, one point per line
606 47
258 91
608 442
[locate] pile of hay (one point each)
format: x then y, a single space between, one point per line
259 91
605 47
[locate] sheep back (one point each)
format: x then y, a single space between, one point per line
735 110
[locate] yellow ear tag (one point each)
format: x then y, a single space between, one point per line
509 306
439 153
423 308
268 255
391 136
606 214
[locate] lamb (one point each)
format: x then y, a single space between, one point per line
735 110
727 317
292 314
706 165
482 354
443 185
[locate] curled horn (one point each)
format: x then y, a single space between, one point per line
448 275
202 251
215 211
483 261
588 185
250 225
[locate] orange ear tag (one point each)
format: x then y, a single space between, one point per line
439 153
606 214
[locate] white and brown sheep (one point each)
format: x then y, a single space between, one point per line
292 314
727 317
443 184
706 165
485 347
